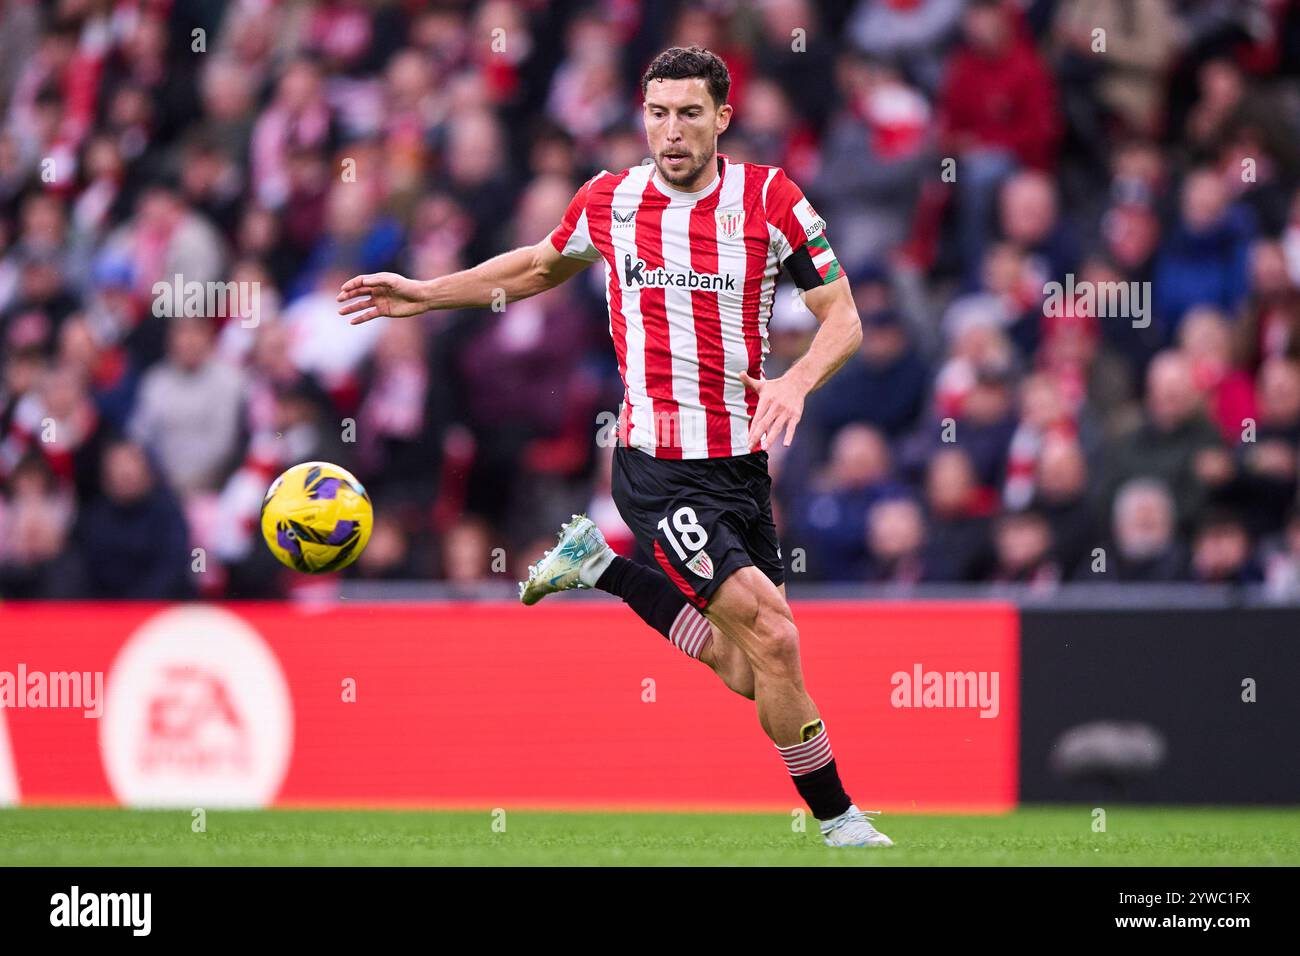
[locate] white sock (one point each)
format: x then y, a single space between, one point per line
591 569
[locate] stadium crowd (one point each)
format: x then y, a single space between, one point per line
965 153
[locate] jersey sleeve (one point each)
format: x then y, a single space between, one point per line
798 234
572 237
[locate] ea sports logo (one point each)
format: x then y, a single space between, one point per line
197 713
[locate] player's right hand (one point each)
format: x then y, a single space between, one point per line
381 294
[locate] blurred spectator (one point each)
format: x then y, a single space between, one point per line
1230 113
1203 260
832 514
299 117
356 238
974 329
1268 458
1044 415
997 112
911 32
396 449
1205 339
41 306
1115 54
134 540
884 385
389 554
802 69
986 422
229 98
958 545
22 374
107 370
1029 216
1145 548
1271 325
35 519
466 552
58 420
476 173
189 410
1024 552
896 544
1221 552
1291 240
1062 498
774 135
874 158
1175 443
166 238
322 346
210 181
585 99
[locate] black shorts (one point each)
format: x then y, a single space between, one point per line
700 519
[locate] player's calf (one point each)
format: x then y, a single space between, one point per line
730 664
750 610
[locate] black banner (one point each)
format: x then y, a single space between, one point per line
491 906
1151 706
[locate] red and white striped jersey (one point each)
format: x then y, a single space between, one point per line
690 279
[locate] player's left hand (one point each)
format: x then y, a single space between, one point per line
780 405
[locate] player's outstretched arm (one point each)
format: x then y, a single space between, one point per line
780 400
512 275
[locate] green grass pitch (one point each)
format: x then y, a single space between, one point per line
1032 836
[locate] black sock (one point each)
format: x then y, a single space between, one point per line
644 590
823 792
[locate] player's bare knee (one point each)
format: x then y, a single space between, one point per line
777 645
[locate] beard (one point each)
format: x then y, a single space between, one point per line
685 175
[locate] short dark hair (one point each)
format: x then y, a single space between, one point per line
685 63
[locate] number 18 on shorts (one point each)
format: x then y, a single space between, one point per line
701 519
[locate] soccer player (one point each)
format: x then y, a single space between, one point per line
692 244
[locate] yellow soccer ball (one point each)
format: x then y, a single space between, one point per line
316 518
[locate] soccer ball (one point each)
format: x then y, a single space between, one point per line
316 518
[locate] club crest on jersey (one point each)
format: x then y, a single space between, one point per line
730 222
701 565
623 220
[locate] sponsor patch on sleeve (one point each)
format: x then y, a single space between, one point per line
813 224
